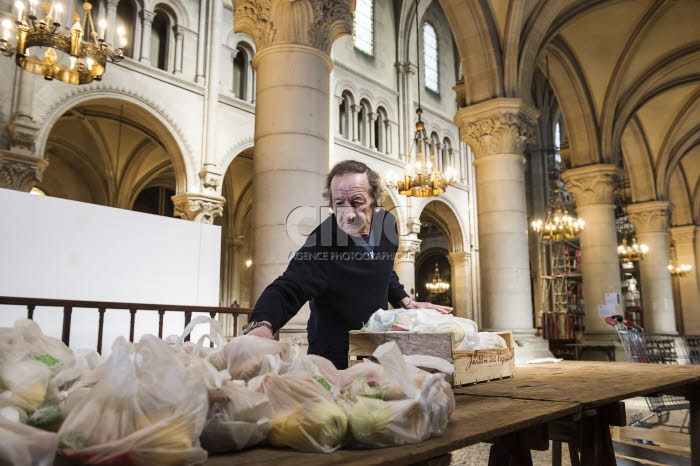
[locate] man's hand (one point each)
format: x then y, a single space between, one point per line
261 331
408 303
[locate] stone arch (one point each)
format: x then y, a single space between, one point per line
174 8
236 149
443 214
156 119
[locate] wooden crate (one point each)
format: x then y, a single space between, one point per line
470 366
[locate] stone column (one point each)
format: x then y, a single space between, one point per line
497 130
291 123
341 119
370 121
405 263
111 34
461 268
387 137
407 110
650 220
684 240
146 24
592 187
20 167
179 36
355 124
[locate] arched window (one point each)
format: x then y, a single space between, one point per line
361 126
363 26
342 117
126 14
430 58
435 149
447 159
240 78
159 40
378 129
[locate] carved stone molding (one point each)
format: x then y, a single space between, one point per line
413 225
408 248
459 259
683 235
650 217
591 185
316 23
497 126
20 172
23 137
211 179
201 208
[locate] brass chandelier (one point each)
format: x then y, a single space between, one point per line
631 252
558 225
422 177
85 49
437 286
675 269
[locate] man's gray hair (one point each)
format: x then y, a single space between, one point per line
376 186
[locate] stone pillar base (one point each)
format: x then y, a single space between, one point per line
19 171
196 207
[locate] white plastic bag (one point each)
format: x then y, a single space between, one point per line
244 355
22 445
149 409
306 416
238 418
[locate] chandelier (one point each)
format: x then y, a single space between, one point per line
558 225
80 61
631 252
437 286
676 269
422 177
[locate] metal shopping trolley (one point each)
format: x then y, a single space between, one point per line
658 348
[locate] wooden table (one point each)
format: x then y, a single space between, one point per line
538 396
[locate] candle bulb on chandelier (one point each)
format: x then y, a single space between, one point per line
103 27
20 8
58 8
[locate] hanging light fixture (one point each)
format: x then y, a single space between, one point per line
558 225
421 178
437 286
83 52
628 250
677 270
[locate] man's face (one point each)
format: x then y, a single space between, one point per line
352 203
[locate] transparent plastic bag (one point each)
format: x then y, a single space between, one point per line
148 409
307 418
424 411
244 355
22 445
238 418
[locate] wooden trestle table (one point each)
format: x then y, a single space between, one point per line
521 413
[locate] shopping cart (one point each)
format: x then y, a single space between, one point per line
658 348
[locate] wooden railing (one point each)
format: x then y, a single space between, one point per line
133 308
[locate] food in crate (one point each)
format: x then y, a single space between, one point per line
466 333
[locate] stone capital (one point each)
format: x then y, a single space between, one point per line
683 234
210 178
19 171
593 184
459 259
650 217
23 134
315 23
198 207
497 126
413 226
408 248
148 16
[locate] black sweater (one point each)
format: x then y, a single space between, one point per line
344 283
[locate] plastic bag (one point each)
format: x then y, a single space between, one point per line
243 356
425 320
149 409
306 416
490 340
238 418
26 341
424 411
22 445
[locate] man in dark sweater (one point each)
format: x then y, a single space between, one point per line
345 269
